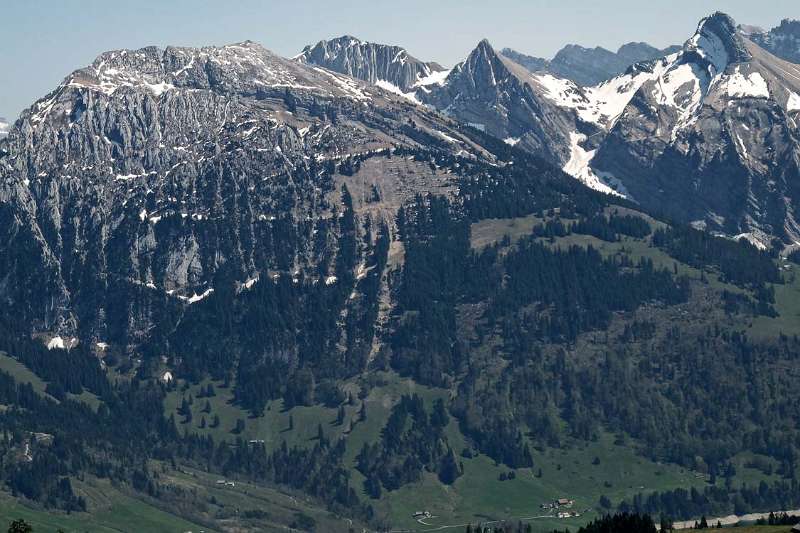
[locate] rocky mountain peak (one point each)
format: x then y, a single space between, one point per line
244 69
484 66
156 153
717 41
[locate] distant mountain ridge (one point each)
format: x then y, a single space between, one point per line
590 66
782 41
707 134
4 126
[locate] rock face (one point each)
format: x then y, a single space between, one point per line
391 67
589 66
782 41
153 177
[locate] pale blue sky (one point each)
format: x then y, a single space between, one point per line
44 40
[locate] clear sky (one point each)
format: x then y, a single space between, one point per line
44 40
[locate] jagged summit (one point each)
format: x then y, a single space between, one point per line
389 66
493 93
483 66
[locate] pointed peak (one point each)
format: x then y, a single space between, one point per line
483 52
485 46
717 41
721 23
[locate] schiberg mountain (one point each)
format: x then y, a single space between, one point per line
709 134
354 290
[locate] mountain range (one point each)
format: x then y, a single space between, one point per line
355 290
660 132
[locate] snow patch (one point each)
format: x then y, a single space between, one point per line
434 78
512 141
793 104
447 137
562 91
752 85
392 88
194 298
56 342
248 284
579 167
752 238
159 88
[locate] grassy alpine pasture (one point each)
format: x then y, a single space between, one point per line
109 511
478 495
21 373
243 506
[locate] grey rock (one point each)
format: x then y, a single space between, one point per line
532 63
370 62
